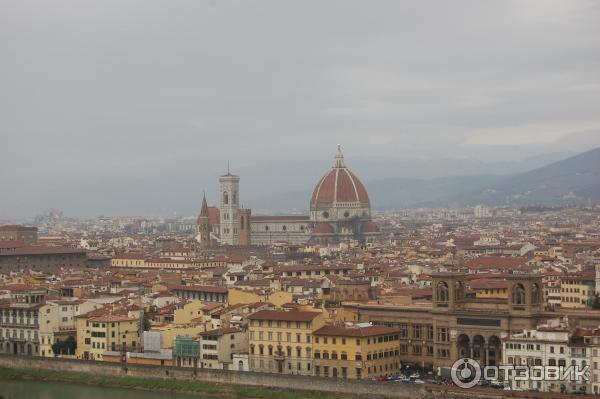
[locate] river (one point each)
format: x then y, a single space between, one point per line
56 390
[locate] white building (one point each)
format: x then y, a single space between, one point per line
57 323
551 344
482 211
218 347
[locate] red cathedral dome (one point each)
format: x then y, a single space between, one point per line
369 227
339 185
323 228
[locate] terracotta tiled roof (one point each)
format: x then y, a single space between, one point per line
280 218
214 215
221 331
12 244
323 228
487 262
284 316
339 185
369 227
485 283
31 250
198 288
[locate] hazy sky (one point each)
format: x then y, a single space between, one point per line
99 92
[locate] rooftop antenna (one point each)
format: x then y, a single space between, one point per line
228 167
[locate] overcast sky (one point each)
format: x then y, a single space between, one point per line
99 91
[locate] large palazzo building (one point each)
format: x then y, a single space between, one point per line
456 326
340 211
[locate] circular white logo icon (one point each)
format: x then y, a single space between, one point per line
465 373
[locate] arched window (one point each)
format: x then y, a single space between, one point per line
459 291
519 294
535 293
442 291
225 198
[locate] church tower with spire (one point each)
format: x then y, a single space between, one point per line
203 225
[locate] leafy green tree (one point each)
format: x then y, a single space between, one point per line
66 347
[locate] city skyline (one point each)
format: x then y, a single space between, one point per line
302 199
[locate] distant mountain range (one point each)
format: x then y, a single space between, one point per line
572 180
269 187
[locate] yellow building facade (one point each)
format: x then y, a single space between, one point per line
277 298
356 352
282 342
576 291
96 335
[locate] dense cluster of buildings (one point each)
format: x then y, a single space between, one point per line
337 293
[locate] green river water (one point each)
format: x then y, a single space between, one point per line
57 390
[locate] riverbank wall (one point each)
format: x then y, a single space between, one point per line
353 388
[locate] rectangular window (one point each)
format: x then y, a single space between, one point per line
442 334
430 333
416 331
403 330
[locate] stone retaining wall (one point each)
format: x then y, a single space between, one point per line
293 382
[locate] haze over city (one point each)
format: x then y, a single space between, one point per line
299 200
133 108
